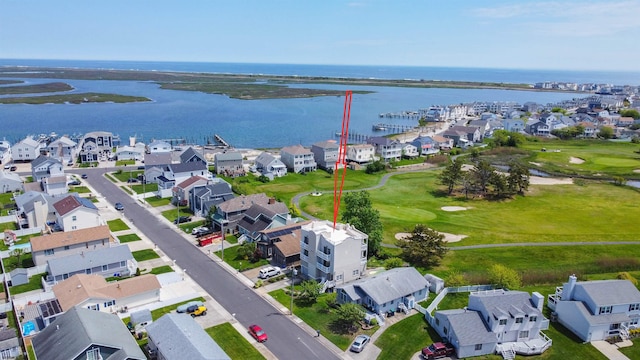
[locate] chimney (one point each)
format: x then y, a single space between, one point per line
537 300
272 201
567 289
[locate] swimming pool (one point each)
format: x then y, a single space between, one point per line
25 246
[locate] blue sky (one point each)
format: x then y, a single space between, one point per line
565 34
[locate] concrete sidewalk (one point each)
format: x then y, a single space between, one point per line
611 350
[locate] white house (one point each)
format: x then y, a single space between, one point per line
597 310
361 153
409 150
10 182
63 149
44 166
130 152
96 146
298 159
332 256
270 166
159 146
74 213
229 163
26 149
5 152
507 322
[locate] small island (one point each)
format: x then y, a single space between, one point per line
78 98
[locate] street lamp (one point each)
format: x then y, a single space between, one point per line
222 222
294 272
178 218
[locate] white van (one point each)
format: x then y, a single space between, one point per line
269 272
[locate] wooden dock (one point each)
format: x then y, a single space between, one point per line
220 140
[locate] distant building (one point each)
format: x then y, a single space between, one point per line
298 159
325 154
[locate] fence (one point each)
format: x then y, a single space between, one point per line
436 301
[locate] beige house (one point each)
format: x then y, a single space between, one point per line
95 293
75 213
62 244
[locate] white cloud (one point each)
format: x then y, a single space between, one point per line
567 18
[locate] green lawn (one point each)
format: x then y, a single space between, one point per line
233 344
117 225
546 214
612 158
12 262
146 254
140 188
404 338
35 283
172 214
125 162
80 189
319 316
124 174
128 238
632 352
231 257
156 201
285 188
161 270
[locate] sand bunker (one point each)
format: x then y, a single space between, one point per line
453 208
535 163
575 160
538 180
636 171
447 237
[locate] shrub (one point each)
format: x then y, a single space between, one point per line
258 283
393 262
626 276
373 321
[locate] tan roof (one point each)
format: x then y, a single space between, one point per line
81 287
289 244
244 202
60 239
295 150
440 138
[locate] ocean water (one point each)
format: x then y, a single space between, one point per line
196 117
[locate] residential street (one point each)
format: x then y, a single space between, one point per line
287 340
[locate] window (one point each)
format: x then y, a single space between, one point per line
306 252
634 307
339 277
355 272
605 310
503 322
437 321
87 271
533 318
94 354
478 347
446 331
104 268
306 240
73 218
519 320
109 303
123 263
523 334
66 247
614 327
49 252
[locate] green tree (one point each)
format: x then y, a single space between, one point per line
605 133
504 277
518 179
348 315
359 212
310 291
499 183
394 262
482 174
451 175
630 113
424 247
374 167
455 278
246 250
17 252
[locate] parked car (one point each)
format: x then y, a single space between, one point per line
183 308
437 350
269 272
257 333
132 180
199 230
359 343
13 168
74 182
195 310
84 176
119 206
181 219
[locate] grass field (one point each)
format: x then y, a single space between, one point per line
117 225
156 201
146 254
128 238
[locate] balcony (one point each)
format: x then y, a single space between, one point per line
323 256
324 269
304 257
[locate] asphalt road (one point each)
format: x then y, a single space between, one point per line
286 339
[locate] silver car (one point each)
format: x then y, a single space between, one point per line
359 343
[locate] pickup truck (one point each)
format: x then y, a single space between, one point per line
183 308
437 351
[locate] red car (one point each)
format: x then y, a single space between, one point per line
437 350
257 333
